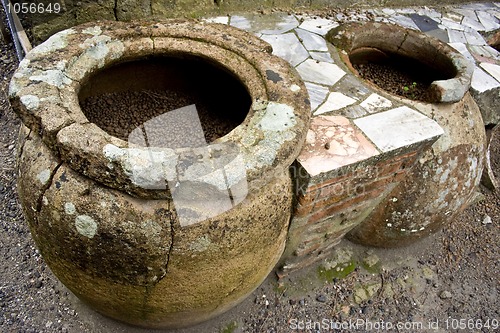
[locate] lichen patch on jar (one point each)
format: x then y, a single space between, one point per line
86 226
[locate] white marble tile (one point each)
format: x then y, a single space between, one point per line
471 23
474 38
456 36
353 112
452 25
312 41
335 101
495 13
397 128
406 11
375 103
451 16
288 47
218 19
268 25
478 6
462 48
320 72
489 22
318 25
493 70
388 11
470 13
404 21
322 56
432 13
481 81
271 24
240 22
317 94
485 51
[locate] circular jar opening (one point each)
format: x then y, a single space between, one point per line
398 74
172 101
403 61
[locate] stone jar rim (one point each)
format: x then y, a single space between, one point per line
44 92
411 43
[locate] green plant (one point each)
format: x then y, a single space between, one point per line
410 89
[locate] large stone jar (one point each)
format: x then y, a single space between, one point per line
444 179
151 235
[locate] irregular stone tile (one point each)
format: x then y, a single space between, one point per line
351 86
375 103
333 142
388 11
424 23
488 21
451 16
407 11
474 38
483 53
218 19
479 6
452 25
312 41
353 112
495 13
277 23
317 94
470 13
288 47
439 34
462 48
322 56
270 24
335 101
472 23
430 12
320 72
456 36
240 22
492 69
397 128
318 25
481 81
404 21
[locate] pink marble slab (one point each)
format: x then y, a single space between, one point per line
333 142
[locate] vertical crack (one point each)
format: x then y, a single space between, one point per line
46 187
404 40
21 148
115 10
172 234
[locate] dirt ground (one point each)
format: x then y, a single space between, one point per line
448 282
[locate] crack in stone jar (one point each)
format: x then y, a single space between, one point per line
149 222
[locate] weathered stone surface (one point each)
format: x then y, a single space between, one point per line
151 255
78 53
445 177
131 259
439 186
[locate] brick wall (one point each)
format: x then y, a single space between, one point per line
330 205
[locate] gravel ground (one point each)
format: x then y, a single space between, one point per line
450 276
